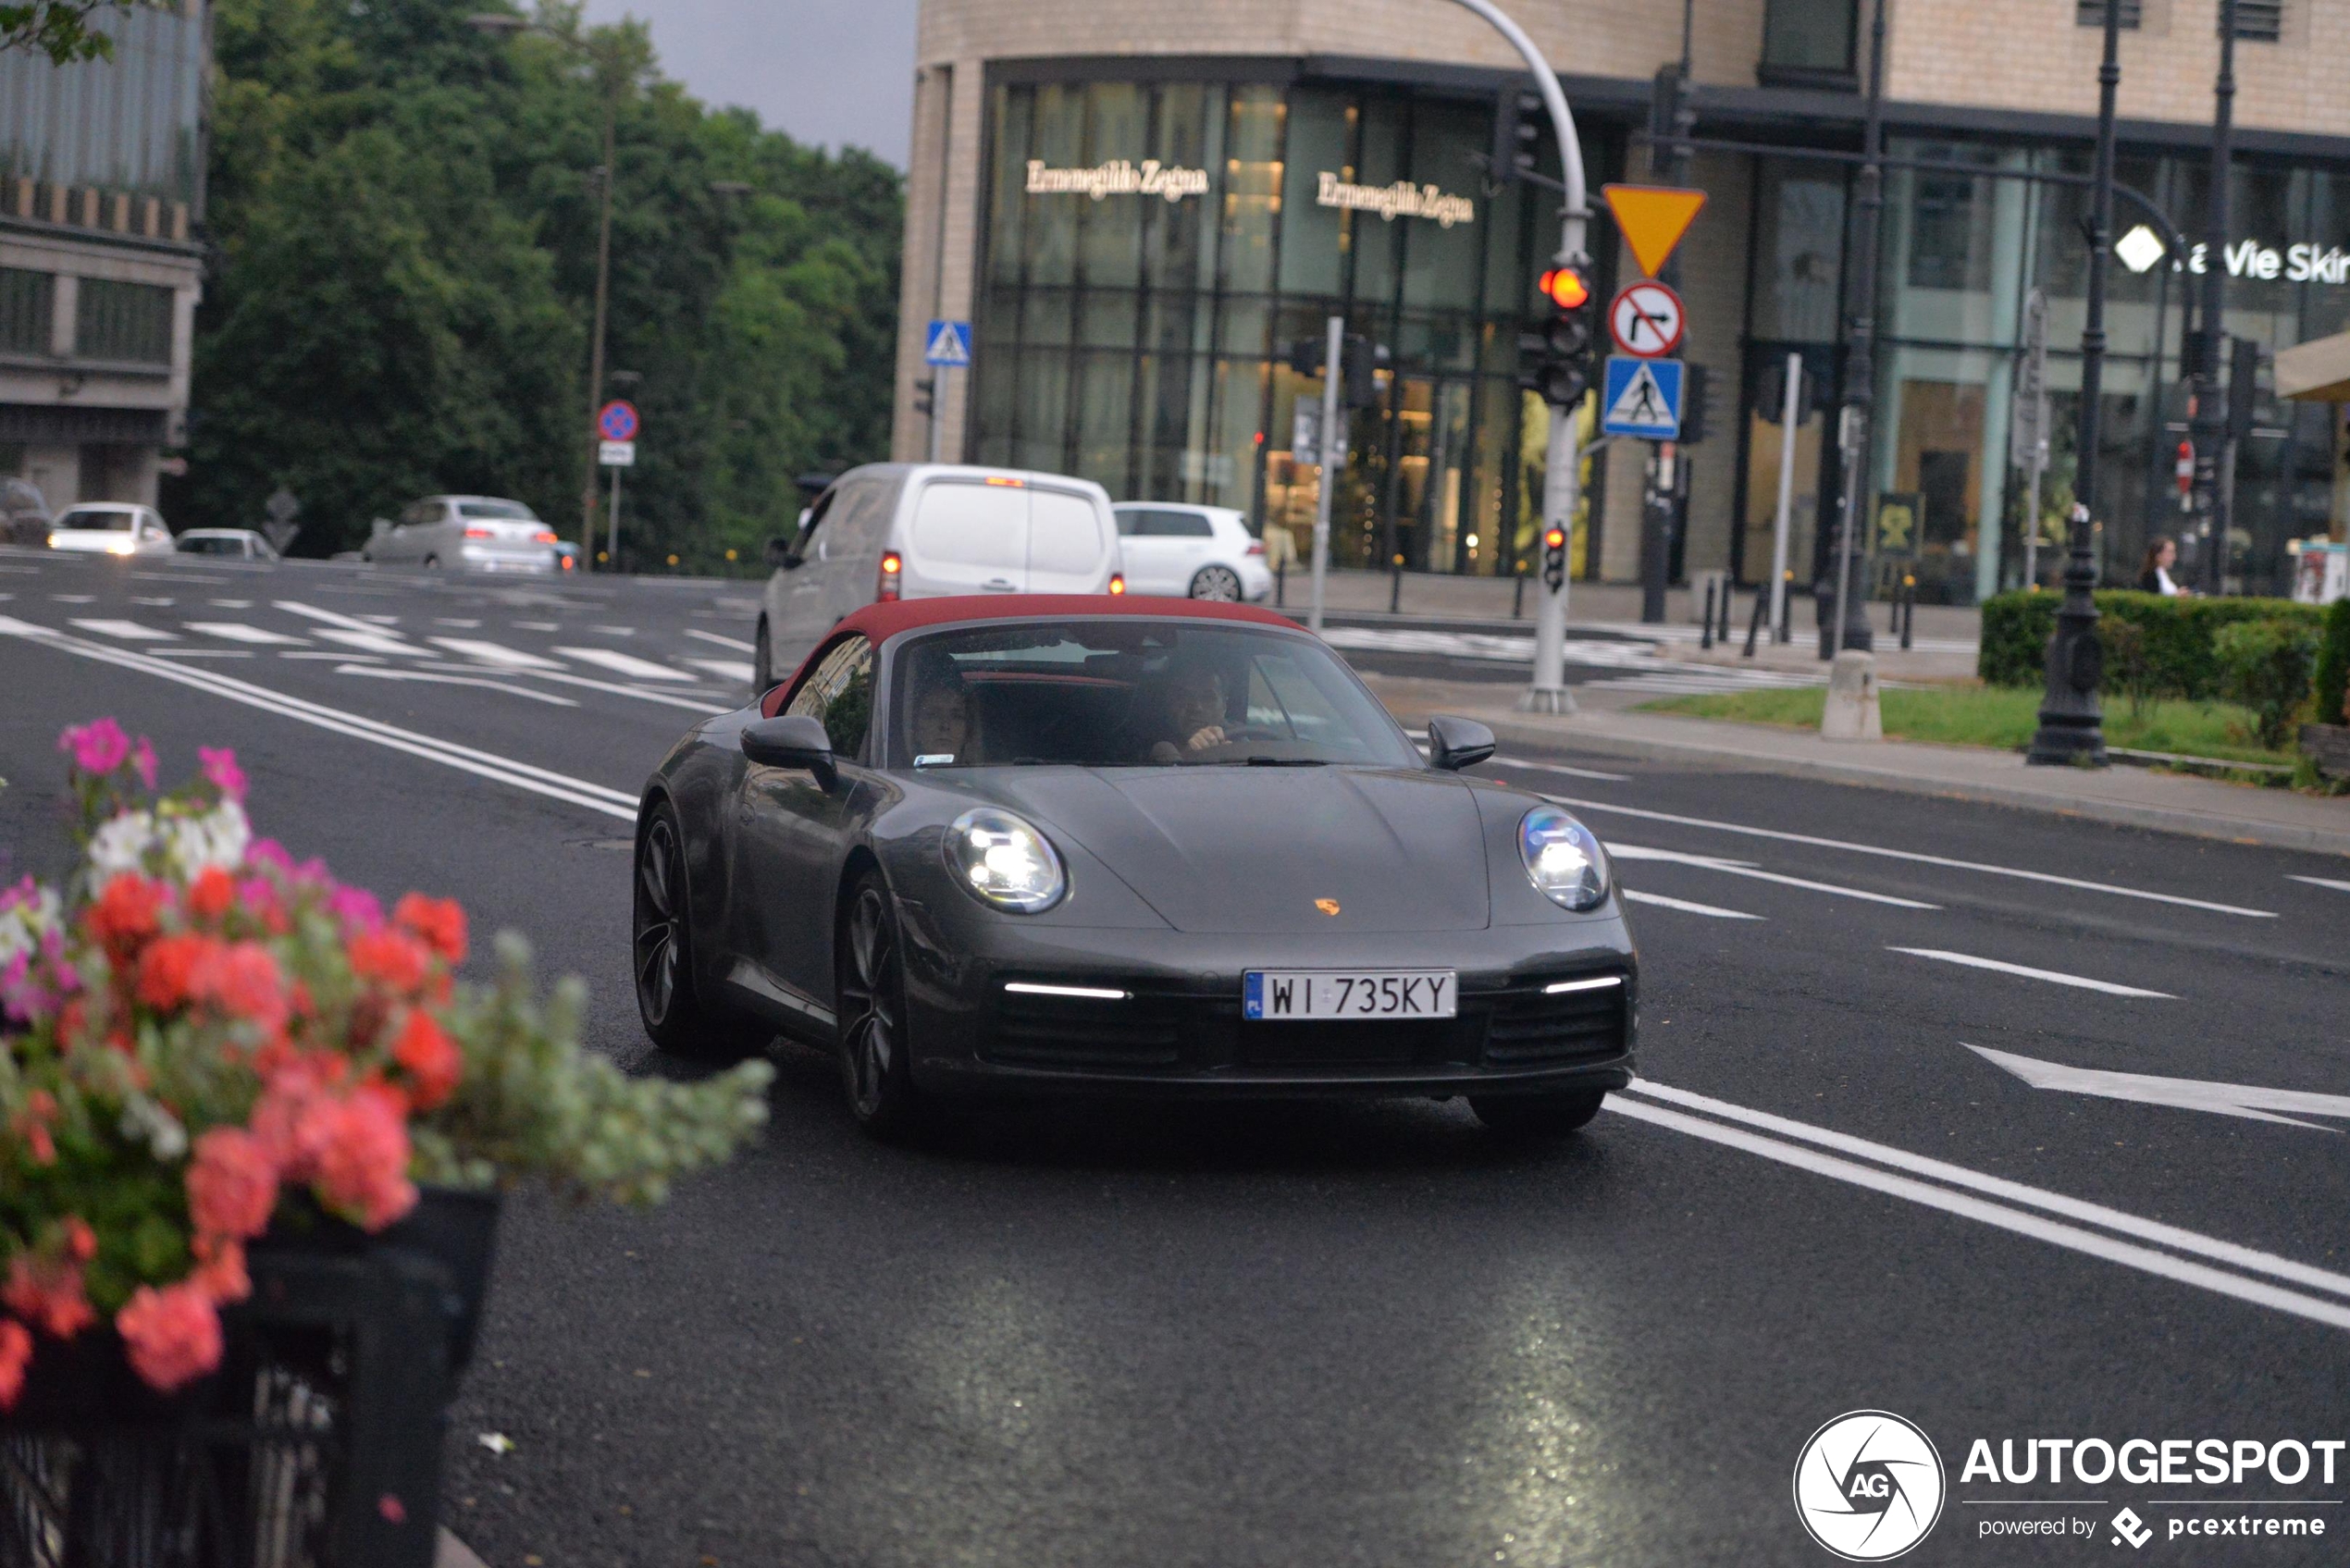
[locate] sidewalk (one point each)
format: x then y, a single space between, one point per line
2127 796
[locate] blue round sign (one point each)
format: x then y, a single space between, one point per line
617 420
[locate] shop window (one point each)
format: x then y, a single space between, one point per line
130 323
2091 13
1252 185
1949 234
1799 245
1809 39
1314 238
26 298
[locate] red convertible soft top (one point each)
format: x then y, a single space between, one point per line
880 623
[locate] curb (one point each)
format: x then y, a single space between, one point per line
2191 823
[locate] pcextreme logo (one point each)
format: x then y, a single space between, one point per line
1869 1486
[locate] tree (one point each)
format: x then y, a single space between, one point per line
59 29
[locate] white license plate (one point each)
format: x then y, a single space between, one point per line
1279 994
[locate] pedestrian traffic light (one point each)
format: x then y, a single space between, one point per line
1554 556
1693 390
925 395
2243 380
1518 130
1555 361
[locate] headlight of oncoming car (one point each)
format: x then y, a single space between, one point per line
1566 863
1004 862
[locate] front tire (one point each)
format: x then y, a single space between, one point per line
1536 1118
661 956
876 1065
1220 583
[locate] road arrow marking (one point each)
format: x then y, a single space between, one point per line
2054 976
2244 1100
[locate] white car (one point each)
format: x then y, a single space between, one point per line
464 534
108 527
237 544
1177 551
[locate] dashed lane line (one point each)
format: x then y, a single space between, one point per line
735 643
1623 851
625 663
483 683
1686 906
497 653
2054 976
2323 881
126 631
237 630
735 670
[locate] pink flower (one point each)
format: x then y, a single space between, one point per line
360 1147
233 1184
173 1334
48 1291
359 910
219 764
16 1350
99 746
143 762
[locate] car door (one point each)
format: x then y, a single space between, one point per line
1140 542
402 543
1191 544
968 537
1068 547
810 594
792 835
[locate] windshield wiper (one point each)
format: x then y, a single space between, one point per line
1285 762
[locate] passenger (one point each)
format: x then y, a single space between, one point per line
1194 704
944 725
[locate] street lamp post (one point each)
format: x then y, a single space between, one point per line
2072 726
2210 421
502 24
1860 361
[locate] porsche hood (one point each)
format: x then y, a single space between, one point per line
1274 849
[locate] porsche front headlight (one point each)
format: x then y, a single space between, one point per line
1565 863
1004 862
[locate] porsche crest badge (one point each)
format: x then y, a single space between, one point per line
1328 906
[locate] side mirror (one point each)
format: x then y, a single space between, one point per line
793 741
1454 744
779 554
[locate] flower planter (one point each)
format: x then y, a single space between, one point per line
2328 747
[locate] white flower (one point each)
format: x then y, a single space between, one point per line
24 919
217 838
122 844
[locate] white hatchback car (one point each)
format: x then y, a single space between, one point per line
1176 550
108 527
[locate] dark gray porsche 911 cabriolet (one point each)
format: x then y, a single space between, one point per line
1033 843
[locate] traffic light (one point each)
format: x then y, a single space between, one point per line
1693 390
1555 360
2243 385
925 395
1518 131
1360 361
1554 556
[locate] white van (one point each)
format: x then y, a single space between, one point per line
924 530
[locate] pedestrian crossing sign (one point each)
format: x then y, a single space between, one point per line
1642 397
950 343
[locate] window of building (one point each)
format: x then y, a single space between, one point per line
2260 22
1809 39
25 300
126 321
2091 13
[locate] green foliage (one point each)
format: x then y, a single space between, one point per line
59 29
406 213
2177 632
2332 686
2266 665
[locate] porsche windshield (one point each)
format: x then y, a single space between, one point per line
1132 693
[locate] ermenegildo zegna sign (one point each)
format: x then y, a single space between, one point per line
1119 177
1401 199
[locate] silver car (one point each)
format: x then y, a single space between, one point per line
464 534
238 544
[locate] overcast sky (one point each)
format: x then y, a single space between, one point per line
840 72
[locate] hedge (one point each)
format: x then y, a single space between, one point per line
2180 662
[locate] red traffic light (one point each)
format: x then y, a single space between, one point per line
1564 287
1555 539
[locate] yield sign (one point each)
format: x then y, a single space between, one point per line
1646 320
1652 219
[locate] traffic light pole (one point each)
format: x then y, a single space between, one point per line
1562 482
1333 353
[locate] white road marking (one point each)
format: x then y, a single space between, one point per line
1914 856
1564 771
237 630
1686 908
735 643
2324 882
497 653
2249 1101
381 674
725 669
2121 1220
368 640
328 617
128 631
350 658
461 626
503 769
2017 1221
232 604
2052 976
1748 869
75 598
203 653
625 663
164 604
614 631
538 625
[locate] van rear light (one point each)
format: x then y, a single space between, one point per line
1007 481
1117 582
480 533
893 572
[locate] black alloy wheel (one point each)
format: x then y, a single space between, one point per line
875 1063
1534 1116
661 951
1221 583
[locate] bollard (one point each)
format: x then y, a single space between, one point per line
1909 610
1281 585
1517 595
1754 627
1395 587
1728 594
1784 632
1705 638
1851 712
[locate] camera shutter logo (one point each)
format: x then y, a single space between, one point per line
1869 1486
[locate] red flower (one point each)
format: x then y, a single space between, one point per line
212 894
168 967
125 914
244 982
233 1184
360 1147
81 1242
173 1334
440 922
31 1124
16 1350
431 1062
220 1269
393 959
47 1291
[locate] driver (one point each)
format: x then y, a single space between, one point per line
944 726
1194 713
